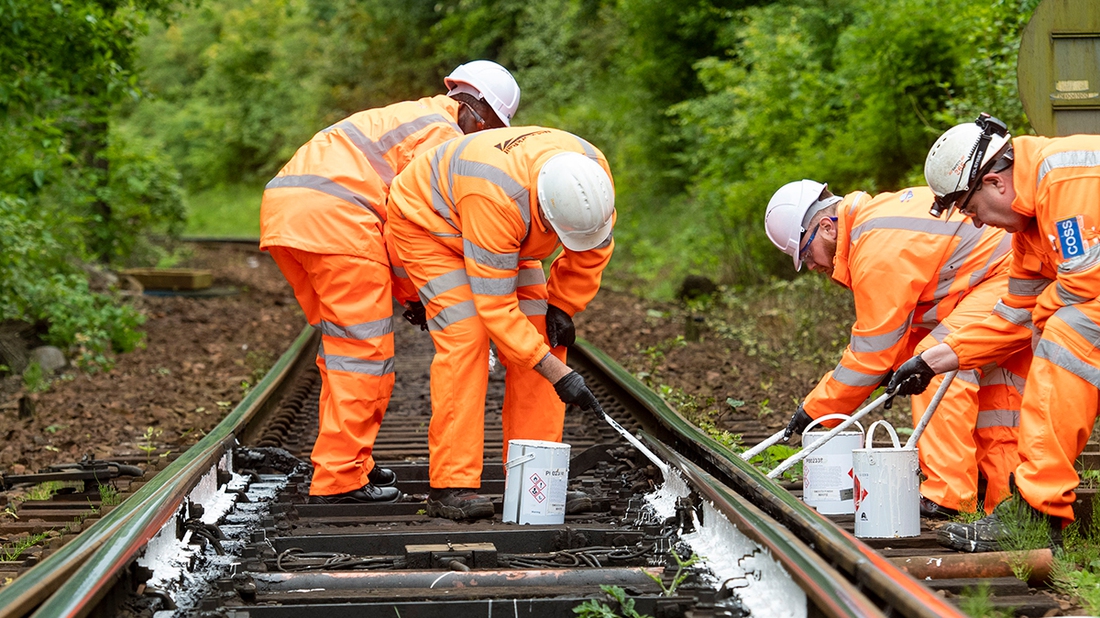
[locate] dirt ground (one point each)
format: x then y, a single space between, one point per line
201 355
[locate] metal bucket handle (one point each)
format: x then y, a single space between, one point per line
522 459
829 417
889 428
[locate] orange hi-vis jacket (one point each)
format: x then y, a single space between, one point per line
1057 183
478 197
907 271
1060 245
330 198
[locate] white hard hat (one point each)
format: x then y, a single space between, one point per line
576 196
487 80
789 212
953 169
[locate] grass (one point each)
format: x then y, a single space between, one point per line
978 603
1076 569
12 550
225 211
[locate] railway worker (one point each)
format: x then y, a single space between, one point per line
915 279
471 221
322 219
1046 191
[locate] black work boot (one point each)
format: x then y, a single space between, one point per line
382 477
364 495
931 510
577 501
1011 523
458 503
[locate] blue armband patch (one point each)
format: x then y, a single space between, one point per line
1069 238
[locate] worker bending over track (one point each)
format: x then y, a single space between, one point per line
322 218
915 279
471 221
1046 191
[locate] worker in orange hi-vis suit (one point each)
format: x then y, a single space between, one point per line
915 280
1046 191
471 221
322 219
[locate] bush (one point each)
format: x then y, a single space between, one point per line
43 286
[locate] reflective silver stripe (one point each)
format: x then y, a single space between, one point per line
324 185
535 306
442 283
1000 375
589 149
1019 317
486 286
400 272
500 261
969 239
1080 323
912 224
360 332
371 150
851 377
357 365
969 376
452 314
375 151
516 192
1068 298
940 332
1027 287
439 203
1057 355
878 343
1070 158
998 418
459 147
606 242
1082 262
531 276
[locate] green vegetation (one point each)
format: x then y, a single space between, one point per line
1076 569
108 495
978 603
12 550
131 121
225 211
43 491
594 608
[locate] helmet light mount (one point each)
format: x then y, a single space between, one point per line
990 127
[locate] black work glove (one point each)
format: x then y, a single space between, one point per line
911 378
797 425
415 314
559 327
572 389
883 384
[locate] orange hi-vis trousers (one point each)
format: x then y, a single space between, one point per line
349 299
976 425
1059 408
460 369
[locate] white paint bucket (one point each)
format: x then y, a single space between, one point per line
535 482
827 473
887 489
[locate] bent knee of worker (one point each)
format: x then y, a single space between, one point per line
1075 328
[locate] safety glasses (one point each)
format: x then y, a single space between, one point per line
806 246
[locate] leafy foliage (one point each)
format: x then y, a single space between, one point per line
594 608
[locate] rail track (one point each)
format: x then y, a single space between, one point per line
224 528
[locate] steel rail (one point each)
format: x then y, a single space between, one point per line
70 581
832 594
862 563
